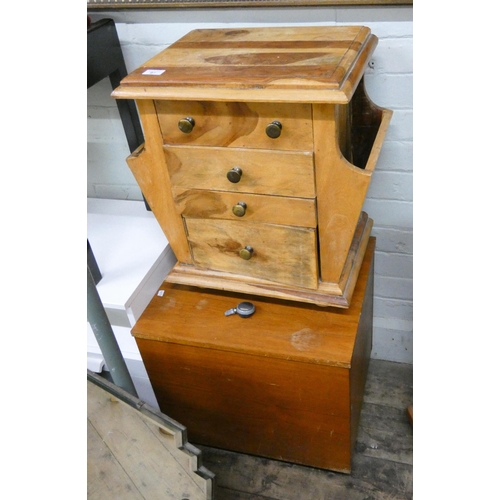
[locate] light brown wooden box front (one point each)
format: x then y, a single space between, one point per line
286 383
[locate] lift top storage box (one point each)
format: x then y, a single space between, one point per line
259 148
285 383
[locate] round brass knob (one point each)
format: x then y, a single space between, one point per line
240 209
186 125
246 253
234 175
273 130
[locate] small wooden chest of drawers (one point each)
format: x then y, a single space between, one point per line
259 148
286 383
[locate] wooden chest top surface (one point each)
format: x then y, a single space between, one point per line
278 329
272 62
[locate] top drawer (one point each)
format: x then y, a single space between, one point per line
236 124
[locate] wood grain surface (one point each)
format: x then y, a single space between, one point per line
148 165
279 210
280 173
237 124
286 383
327 294
331 331
281 254
382 466
276 64
321 151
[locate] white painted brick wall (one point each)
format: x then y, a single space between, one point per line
389 83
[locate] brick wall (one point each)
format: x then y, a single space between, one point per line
389 83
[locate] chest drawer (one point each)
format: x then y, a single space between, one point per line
237 124
246 207
278 253
280 173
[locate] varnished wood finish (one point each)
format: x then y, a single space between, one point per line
361 354
149 168
286 64
382 465
237 124
281 253
280 173
341 190
266 407
280 210
326 294
322 154
286 383
341 185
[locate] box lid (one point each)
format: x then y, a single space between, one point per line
306 333
282 64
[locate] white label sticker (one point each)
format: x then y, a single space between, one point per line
154 72
161 293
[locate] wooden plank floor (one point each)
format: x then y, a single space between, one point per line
382 466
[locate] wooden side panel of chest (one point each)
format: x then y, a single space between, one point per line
286 383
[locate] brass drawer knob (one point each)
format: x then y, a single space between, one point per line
186 125
246 253
273 130
240 209
234 175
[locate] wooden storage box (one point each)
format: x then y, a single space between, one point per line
259 148
286 383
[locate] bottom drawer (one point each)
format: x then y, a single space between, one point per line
282 254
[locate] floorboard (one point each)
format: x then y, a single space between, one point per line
382 465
